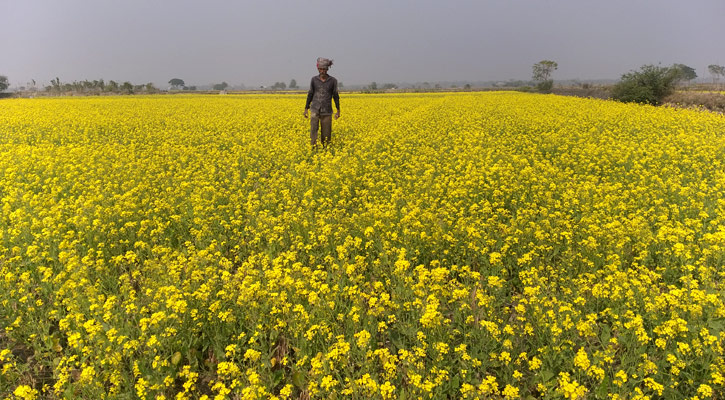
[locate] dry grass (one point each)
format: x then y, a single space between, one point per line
711 101
597 92
694 99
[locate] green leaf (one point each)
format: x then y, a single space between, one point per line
606 334
603 389
176 358
546 375
716 324
397 345
298 380
56 345
277 377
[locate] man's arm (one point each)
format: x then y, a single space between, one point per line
310 93
336 98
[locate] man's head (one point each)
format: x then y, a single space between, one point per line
323 64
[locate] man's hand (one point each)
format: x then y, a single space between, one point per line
337 114
305 113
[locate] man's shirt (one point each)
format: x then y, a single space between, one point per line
321 94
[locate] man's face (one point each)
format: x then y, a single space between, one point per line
322 71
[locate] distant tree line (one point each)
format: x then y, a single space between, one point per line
650 84
84 87
282 85
99 86
373 87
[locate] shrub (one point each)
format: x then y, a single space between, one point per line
545 86
649 85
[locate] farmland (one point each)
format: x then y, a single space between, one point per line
462 245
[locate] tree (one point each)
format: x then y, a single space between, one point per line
127 87
649 85
716 71
221 86
373 85
4 82
55 83
684 73
293 84
543 70
112 86
542 74
279 85
176 83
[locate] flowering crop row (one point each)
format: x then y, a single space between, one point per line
470 245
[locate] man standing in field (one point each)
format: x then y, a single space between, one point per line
323 89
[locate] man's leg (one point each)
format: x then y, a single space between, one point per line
314 125
326 125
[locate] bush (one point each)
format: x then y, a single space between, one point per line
650 85
545 86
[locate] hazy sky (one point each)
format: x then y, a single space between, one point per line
260 42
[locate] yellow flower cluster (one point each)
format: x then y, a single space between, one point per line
457 245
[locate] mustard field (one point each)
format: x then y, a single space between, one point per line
459 245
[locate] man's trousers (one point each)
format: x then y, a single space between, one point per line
323 121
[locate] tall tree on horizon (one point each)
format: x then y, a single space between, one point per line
542 71
176 83
716 71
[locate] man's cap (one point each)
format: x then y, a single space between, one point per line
325 63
